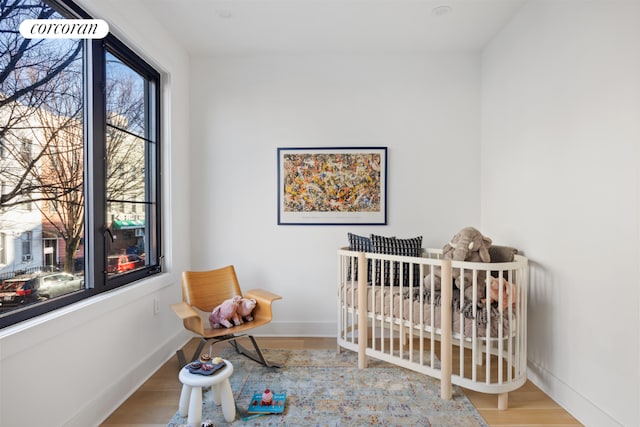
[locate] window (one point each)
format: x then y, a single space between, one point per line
26 246
66 105
26 151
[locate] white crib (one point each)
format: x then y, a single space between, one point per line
407 320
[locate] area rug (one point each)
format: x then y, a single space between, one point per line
325 388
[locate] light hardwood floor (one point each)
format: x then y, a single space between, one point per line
156 401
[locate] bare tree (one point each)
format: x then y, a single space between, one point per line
28 72
125 144
41 128
59 181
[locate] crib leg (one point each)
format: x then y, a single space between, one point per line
503 401
404 336
477 351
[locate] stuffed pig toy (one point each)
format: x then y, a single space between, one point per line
245 308
507 289
226 313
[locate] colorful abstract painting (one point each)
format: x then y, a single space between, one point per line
332 186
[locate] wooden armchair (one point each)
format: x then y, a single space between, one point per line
202 291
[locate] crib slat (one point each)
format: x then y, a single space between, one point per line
390 307
432 323
500 322
383 271
461 320
411 312
487 338
340 322
401 306
476 345
353 310
373 304
421 310
362 311
513 332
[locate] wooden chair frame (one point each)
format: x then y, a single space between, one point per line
202 291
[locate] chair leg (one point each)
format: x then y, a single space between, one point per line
257 357
182 361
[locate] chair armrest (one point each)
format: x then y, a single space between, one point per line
263 302
190 318
184 310
262 295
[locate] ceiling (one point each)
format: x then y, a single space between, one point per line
210 27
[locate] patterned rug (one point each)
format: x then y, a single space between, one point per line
325 388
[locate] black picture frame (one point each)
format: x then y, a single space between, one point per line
332 186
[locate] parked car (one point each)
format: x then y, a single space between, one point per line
18 291
122 263
56 284
24 289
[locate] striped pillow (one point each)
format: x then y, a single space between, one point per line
394 246
359 244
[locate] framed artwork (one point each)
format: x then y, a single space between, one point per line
329 186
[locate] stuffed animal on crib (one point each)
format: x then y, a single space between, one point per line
507 289
245 309
467 245
226 313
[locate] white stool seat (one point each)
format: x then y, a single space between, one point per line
191 395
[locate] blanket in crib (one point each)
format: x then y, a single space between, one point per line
408 306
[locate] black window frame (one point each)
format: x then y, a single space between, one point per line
96 235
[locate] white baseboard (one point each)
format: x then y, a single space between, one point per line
573 402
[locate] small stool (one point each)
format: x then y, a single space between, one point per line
191 395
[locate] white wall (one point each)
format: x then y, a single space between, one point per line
560 179
81 362
557 140
424 108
